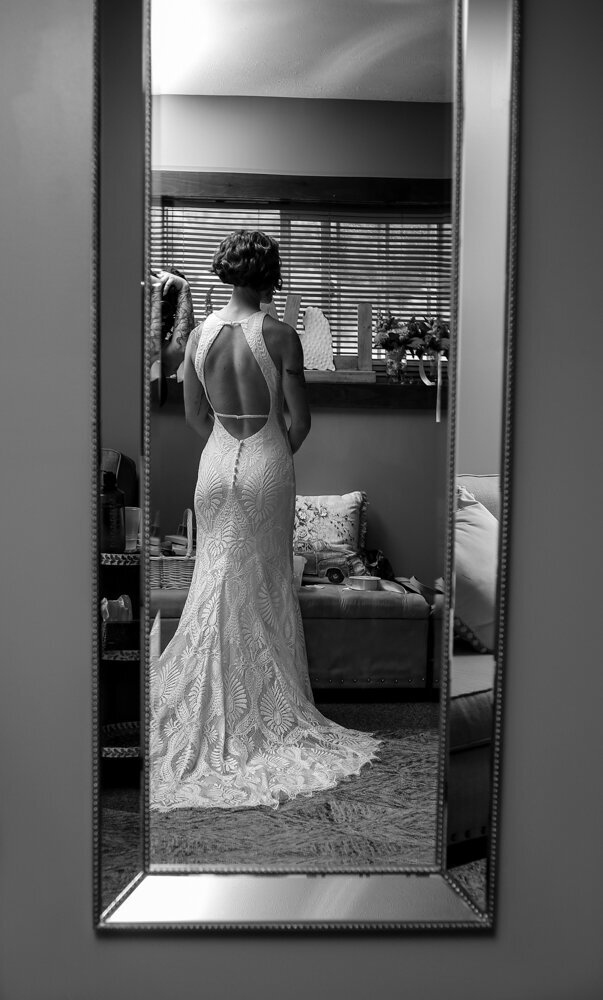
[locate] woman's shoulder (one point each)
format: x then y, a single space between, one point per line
204 325
282 342
195 334
276 331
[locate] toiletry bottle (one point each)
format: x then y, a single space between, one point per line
112 520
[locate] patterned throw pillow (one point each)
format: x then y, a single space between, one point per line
330 522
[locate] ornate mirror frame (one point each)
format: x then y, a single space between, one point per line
429 899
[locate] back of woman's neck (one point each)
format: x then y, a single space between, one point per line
242 303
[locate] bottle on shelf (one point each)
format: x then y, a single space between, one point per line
112 515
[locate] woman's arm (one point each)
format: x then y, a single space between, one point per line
172 351
294 388
196 405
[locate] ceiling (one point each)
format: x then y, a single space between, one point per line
376 50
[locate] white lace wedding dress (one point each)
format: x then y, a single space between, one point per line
233 721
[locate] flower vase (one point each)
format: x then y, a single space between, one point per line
395 366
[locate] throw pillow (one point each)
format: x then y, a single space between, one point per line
476 571
330 522
483 488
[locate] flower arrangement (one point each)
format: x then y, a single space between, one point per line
425 338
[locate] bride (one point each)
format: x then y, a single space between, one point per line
233 721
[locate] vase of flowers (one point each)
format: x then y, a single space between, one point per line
426 338
396 364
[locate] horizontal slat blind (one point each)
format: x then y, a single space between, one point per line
335 258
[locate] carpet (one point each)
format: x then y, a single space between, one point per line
473 878
384 817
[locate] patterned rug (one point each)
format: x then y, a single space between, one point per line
473 878
383 817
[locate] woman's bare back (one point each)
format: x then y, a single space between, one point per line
236 387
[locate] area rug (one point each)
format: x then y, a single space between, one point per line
473 878
384 817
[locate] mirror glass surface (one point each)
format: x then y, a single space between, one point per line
330 733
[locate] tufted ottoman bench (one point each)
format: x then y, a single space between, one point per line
365 639
354 639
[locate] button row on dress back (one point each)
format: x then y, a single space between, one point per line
236 463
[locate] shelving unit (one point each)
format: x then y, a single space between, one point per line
122 655
120 740
120 559
120 688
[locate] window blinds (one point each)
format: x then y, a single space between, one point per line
333 257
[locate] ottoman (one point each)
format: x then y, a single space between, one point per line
354 639
365 639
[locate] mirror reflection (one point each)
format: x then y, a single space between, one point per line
301 246
481 439
299 275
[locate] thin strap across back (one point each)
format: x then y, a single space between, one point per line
242 416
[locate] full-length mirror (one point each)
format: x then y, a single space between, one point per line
300 507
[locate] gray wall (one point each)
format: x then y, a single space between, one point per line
121 199
547 943
483 229
280 135
396 456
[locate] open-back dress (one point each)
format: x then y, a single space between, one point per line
233 721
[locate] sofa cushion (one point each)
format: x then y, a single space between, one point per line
485 489
330 521
343 602
471 718
476 571
320 601
360 639
471 700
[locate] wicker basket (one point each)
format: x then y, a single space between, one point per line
155 572
175 572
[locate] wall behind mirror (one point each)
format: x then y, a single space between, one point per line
120 236
557 919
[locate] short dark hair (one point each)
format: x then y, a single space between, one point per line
249 258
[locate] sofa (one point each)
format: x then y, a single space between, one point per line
470 721
472 669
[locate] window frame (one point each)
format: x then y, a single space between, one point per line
423 198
